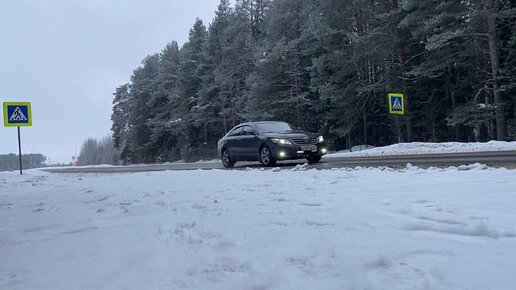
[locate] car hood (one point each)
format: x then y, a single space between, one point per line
297 134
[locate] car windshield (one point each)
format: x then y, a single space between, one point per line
275 127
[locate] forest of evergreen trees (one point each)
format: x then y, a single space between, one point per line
325 66
11 162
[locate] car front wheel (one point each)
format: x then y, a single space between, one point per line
226 159
266 156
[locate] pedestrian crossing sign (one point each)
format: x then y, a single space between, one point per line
396 104
17 114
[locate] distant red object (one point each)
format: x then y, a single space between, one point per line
75 160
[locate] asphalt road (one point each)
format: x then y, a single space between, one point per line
495 158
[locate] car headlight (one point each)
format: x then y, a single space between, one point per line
320 139
281 141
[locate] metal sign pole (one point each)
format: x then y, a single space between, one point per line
19 150
398 128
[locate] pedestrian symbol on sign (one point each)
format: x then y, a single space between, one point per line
18 115
397 104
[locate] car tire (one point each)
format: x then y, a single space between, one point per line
313 159
266 157
226 159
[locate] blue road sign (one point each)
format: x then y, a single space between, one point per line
396 104
17 114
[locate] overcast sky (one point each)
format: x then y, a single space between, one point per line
67 57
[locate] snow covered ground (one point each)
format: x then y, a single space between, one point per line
427 148
357 228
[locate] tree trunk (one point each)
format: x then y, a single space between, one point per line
398 128
408 117
225 126
365 128
349 140
493 54
434 133
448 92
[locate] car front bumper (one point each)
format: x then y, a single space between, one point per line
288 152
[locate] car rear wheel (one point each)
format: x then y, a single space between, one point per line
226 159
313 159
266 156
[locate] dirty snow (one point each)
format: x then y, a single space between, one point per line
357 228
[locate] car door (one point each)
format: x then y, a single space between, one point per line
249 143
233 143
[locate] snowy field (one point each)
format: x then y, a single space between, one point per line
427 148
296 229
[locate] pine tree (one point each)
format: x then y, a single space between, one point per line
350 77
495 65
333 73
139 108
508 79
120 127
211 105
191 64
280 84
236 65
163 139
255 12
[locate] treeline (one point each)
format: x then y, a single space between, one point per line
94 152
9 162
326 66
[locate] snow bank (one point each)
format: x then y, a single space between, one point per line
428 148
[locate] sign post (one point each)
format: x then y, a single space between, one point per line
397 108
18 114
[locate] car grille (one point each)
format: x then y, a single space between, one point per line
304 141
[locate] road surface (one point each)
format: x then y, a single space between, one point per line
494 158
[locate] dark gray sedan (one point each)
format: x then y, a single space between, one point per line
268 142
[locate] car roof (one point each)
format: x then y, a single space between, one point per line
267 122
258 122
